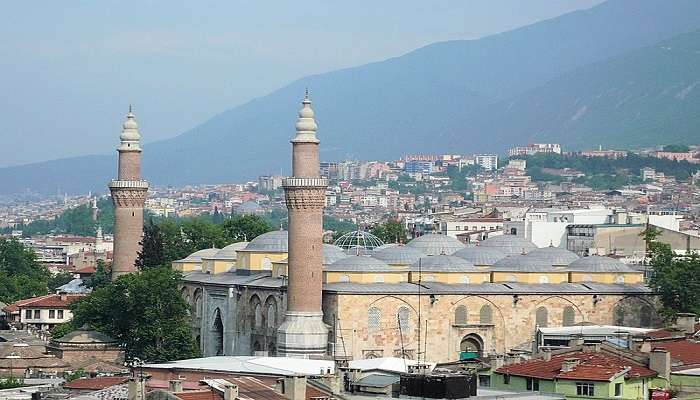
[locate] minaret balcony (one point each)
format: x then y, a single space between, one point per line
141 184
305 182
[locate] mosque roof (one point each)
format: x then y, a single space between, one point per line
197 255
229 252
435 244
248 207
332 253
522 263
480 255
398 255
599 264
386 246
85 336
443 263
554 255
274 242
509 244
358 264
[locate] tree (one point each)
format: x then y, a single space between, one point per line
245 227
21 275
100 278
675 279
152 250
144 312
59 280
676 148
392 231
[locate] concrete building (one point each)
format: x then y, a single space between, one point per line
128 195
535 148
488 162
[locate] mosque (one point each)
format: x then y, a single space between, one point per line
432 299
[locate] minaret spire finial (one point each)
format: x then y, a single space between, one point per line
129 108
306 94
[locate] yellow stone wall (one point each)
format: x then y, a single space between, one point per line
530 277
365 277
186 266
451 277
255 261
513 323
607 277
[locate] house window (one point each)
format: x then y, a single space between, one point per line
28 314
585 389
52 314
533 384
618 389
506 379
37 314
60 314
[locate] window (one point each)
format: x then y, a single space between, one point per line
257 316
403 316
542 317
533 384
374 318
585 389
567 318
485 380
461 315
271 316
485 315
544 279
344 278
379 279
52 314
37 314
464 279
618 389
60 314
619 279
506 379
28 314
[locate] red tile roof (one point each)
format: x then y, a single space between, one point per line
49 301
85 270
684 351
95 383
593 366
198 395
668 333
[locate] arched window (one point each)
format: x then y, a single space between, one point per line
544 279
379 279
271 315
542 317
258 316
485 314
464 279
461 315
344 278
568 316
429 278
511 278
198 303
645 316
588 278
404 319
620 279
374 319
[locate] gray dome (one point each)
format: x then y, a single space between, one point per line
197 255
509 244
229 252
522 263
274 242
358 264
85 335
398 255
443 263
599 264
332 253
249 207
554 255
433 244
386 246
480 255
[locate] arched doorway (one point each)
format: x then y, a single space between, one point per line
218 334
471 346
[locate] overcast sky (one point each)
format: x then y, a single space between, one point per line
69 69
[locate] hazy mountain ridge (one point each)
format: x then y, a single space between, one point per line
455 96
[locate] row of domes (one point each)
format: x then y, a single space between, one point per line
435 253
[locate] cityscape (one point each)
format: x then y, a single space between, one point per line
558 262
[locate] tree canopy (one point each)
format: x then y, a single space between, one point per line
144 312
391 232
21 275
74 221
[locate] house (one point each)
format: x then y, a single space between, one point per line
45 312
587 372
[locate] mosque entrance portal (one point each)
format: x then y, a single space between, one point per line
471 346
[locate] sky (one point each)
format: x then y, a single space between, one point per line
70 69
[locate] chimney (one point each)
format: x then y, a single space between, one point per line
591 347
686 322
577 341
136 389
63 296
496 362
660 361
547 354
293 387
230 391
644 346
175 386
568 364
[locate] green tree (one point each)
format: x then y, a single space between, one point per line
245 227
392 231
675 279
676 148
100 278
10 383
145 312
152 253
77 374
59 279
21 275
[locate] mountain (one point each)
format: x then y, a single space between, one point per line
434 99
642 98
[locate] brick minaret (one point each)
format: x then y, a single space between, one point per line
303 333
128 196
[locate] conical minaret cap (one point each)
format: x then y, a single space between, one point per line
130 137
306 124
